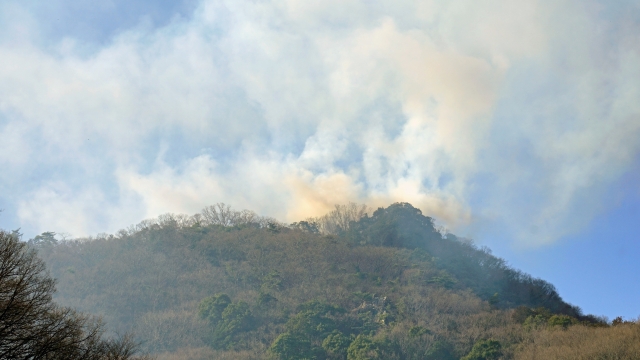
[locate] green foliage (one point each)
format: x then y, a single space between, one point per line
265 299
363 296
368 322
227 319
445 280
541 317
563 321
314 320
236 318
521 313
535 322
399 225
417 331
212 307
485 350
372 276
46 239
314 329
272 281
310 226
288 346
440 350
336 345
403 226
364 348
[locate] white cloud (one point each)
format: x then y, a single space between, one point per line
288 107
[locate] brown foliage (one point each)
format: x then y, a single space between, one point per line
152 278
32 326
583 342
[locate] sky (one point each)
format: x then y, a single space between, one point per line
516 124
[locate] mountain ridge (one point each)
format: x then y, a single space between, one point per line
230 284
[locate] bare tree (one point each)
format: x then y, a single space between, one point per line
222 214
32 326
339 220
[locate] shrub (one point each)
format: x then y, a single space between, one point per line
485 350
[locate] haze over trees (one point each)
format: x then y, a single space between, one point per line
353 284
32 326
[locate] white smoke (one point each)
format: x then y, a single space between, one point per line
522 113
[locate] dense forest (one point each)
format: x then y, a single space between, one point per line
353 284
34 327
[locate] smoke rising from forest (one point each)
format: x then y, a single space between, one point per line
524 115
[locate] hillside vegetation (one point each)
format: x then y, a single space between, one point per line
350 285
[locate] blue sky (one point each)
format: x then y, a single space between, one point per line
515 124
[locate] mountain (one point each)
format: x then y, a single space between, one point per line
351 285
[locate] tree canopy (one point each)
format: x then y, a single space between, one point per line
355 283
32 326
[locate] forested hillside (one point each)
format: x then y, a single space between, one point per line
349 285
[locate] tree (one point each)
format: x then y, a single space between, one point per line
399 225
227 318
340 220
236 318
212 307
32 326
44 239
440 350
563 321
288 346
485 350
366 348
315 320
336 345
309 225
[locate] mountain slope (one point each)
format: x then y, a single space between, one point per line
387 285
